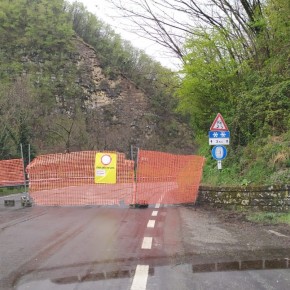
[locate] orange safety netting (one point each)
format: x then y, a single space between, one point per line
68 179
11 172
166 178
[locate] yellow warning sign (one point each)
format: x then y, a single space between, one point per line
106 168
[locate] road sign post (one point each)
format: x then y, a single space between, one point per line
219 135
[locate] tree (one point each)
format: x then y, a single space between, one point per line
170 22
253 93
209 83
17 113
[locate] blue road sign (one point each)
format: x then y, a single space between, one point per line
219 152
219 137
219 134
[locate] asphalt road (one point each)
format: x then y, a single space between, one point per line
175 247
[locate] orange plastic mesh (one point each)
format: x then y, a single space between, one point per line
166 178
11 172
68 179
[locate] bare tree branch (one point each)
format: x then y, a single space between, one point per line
170 22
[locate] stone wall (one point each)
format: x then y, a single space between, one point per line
270 198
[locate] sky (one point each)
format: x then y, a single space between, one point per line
104 11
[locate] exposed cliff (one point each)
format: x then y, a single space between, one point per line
59 94
123 114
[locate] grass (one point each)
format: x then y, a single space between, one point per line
263 162
11 190
269 217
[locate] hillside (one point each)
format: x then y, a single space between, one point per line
60 94
123 113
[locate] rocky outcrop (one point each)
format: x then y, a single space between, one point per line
123 116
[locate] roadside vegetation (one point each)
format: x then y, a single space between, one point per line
269 217
250 85
42 101
235 57
4 191
263 161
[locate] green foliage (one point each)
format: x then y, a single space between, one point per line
4 191
210 80
264 161
269 217
254 101
41 98
17 110
38 77
31 31
253 95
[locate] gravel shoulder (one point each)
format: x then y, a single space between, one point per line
227 235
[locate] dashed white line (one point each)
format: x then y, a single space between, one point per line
154 212
147 243
140 277
277 234
151 224
157 205
160 199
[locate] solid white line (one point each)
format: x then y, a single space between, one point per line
157 205
154 212
147 243
277 234
151 224
140 277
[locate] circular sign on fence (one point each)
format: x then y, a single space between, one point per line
106 168
106 159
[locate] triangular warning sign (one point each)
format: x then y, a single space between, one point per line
219 124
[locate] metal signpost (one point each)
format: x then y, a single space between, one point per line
219 135
219 153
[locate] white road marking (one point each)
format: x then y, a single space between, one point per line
159 200
151 224
277 234
140 277
147 243
154 212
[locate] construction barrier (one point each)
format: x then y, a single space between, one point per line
80 178
11 172
166 178
69 179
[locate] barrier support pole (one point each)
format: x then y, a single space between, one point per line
21 150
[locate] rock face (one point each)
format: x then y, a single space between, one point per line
122 111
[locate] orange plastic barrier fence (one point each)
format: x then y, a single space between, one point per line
11 172
166 178
68 179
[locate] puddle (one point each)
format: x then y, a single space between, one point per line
92 280
84 277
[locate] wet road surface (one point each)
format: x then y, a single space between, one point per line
160 247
